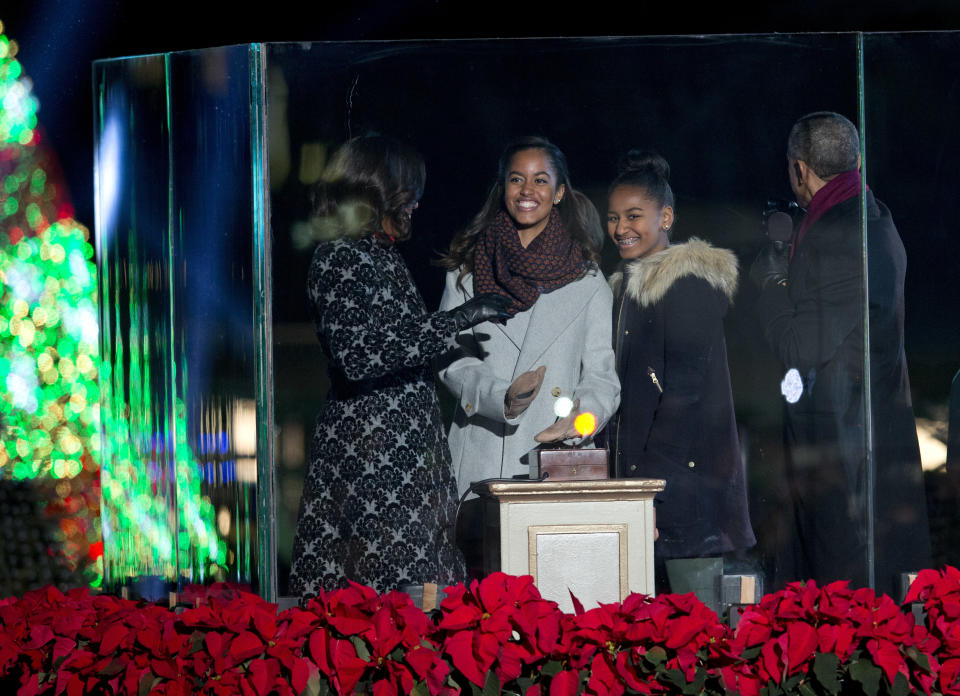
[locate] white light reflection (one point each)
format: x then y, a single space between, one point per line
931 434
223 521
792 386
107 177
244 424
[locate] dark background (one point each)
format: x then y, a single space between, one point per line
60 38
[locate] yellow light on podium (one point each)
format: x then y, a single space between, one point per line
585 424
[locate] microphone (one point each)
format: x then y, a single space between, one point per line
780 230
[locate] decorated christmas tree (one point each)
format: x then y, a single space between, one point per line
49 361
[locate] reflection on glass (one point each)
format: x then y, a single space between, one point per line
718 108
173 222
174 239
912 150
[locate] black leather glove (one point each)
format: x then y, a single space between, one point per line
770 266
478 309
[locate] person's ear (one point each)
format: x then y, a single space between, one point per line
666 217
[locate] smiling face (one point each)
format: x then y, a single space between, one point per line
530 191
636 223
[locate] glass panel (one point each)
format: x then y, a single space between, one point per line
912 147
175 252
718 108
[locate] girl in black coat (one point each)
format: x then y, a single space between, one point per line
676 418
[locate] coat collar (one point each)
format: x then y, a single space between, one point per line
550 316
649 278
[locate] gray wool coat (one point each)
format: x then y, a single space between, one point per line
569 331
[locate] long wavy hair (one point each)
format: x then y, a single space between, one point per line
368 180
577 214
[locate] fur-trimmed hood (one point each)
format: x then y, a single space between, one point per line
649 278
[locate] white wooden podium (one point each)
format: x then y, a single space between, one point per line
592 538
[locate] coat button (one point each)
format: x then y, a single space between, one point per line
691 464
633 467
556 391
468 408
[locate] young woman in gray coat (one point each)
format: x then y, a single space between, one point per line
536 240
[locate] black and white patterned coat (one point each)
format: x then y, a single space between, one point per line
379 499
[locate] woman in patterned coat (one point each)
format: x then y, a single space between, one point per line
379 498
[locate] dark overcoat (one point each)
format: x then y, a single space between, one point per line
815 323
676 419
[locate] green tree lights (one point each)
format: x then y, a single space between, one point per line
156 518
48 330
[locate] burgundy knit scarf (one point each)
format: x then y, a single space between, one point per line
840 188
502 265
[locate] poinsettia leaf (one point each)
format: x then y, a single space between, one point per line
900 686
566 683
30 684
491 687
655 655
675 677
868 674
420 689
806 690
552 668
196 642
258 676
696 686
921 659
360 645
751 653
578 609
148 680
825 670
245 646
316 686
113 667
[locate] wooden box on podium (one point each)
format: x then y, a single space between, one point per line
592 538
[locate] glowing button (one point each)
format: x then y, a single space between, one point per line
585 424
563 406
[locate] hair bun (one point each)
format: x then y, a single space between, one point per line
644 161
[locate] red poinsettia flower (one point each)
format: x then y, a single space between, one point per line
500 624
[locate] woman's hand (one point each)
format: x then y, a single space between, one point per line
563 429
522 392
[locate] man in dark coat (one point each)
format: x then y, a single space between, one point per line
811 308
